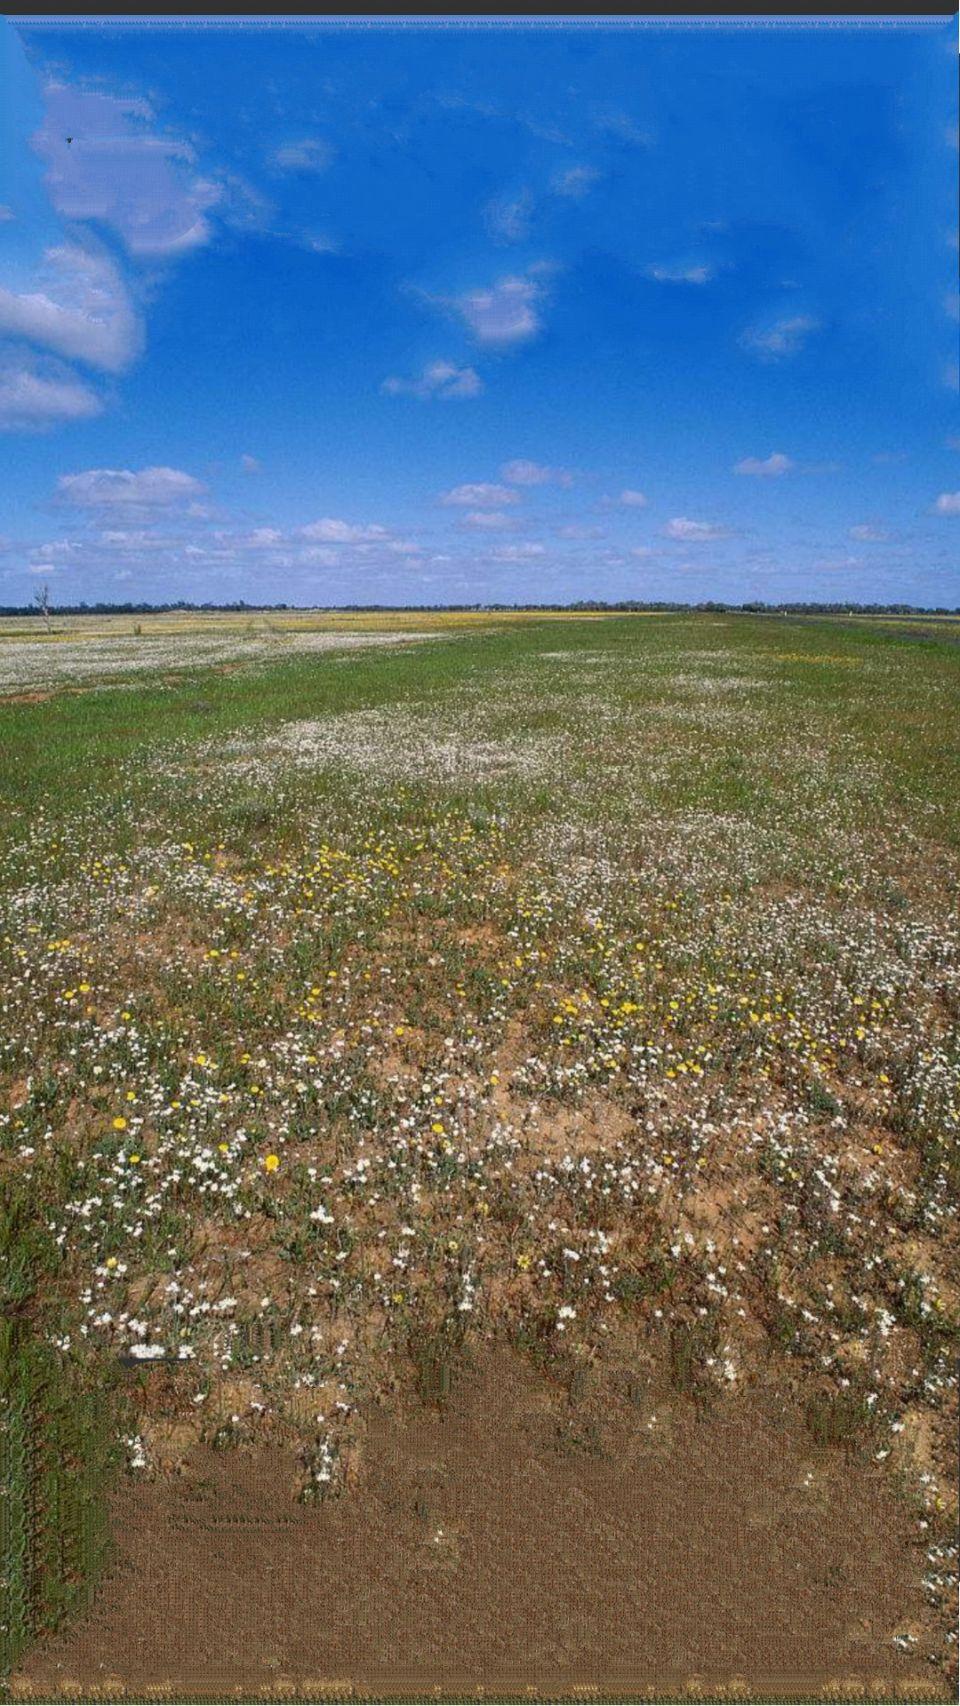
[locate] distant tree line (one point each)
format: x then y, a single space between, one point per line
754 608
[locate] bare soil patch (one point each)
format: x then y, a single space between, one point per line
522 1537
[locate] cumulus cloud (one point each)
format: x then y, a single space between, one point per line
693 532
344 532
633 500
780 338
309 154
576 530
505 313
34 397
82 311
575 182
523 473
117 169
769 468
442 380
681 274
482 496
110 488
948 503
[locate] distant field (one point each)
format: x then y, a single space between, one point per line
415 1020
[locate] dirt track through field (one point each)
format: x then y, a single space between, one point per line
512 1540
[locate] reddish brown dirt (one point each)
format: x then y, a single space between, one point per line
513 1541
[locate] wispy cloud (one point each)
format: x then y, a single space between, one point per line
632 499
693 532
523 473
779 339
488 521
517 553
622 127
480 496
308 154
769 468
35 396
508 217
679 274
948 503
110 488
335 532
867 532
81 310
249 464
440 380
575 182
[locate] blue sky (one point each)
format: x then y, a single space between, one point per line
392 315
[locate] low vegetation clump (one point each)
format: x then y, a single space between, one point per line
559 982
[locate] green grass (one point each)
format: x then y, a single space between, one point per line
771 807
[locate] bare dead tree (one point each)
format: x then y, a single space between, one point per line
41 599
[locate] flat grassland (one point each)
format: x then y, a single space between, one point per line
480 1154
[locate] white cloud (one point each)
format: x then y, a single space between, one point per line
681 274
508 218
516 553
692 532
343 532
866 531
948 503
488 520
309 154
441 380
781 338
319 557
249 464
641 551
116 169
108 488
33 398
321 243
482 496
575 530
633 500
504 314
6 213
575 182
622 126
770 468
523 473
83 312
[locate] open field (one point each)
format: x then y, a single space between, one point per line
480 1112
